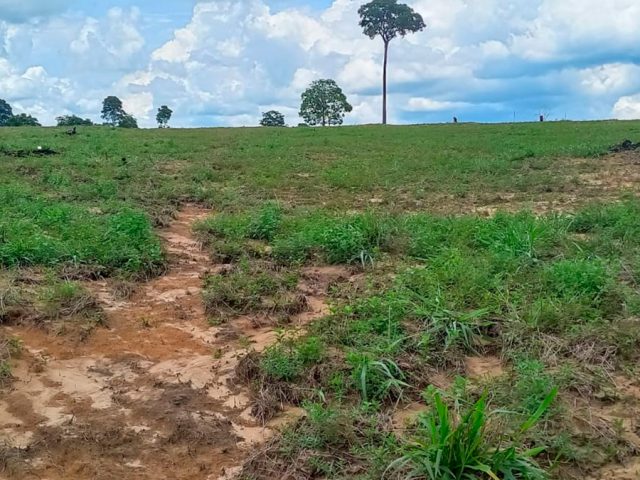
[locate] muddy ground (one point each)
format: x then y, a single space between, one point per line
152 395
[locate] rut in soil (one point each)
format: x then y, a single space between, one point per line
150 396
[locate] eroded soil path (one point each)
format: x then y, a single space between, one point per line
150 396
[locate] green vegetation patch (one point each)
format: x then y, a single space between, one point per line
35 231
44 300
253 287
537 291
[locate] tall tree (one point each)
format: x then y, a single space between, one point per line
323 103
163 116
388 19
22 120
72 121
272 118
6 112
112 110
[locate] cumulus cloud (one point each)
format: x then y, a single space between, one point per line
32 89
627 108
140 105
113 40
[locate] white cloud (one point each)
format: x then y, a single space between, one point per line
361 73
303 77
367 110
568 28
116 37
33 89
627 108
140 105
610 78
420 104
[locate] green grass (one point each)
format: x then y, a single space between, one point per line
546 293
252 288
340 167
554 295
34 231
85 204
287 359
41 298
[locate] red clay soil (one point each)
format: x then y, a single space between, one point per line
150 396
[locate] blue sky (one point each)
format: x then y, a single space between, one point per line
223 62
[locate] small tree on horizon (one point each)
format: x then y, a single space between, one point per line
388 19
272 118
324 103
112 110
72 121
163 116
6 112
127 121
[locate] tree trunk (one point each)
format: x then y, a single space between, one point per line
384 84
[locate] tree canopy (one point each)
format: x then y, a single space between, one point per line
163 116
113 114
127 121
324 103
6 112
272 118
72 121
388 19
22 120
112 110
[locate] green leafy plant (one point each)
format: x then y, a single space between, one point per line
459 446
266 223
376 380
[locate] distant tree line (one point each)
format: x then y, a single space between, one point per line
73 121
323 102
112 113
8 119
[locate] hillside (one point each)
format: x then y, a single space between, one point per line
320 303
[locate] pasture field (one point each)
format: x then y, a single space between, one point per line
432 302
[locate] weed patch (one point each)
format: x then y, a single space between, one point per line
253 287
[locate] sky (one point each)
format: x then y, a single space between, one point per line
223 63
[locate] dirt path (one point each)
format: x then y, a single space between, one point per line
151 396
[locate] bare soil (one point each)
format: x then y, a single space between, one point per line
152 395
581 181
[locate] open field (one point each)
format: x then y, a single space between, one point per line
439 302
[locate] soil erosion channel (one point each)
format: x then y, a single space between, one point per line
150 396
